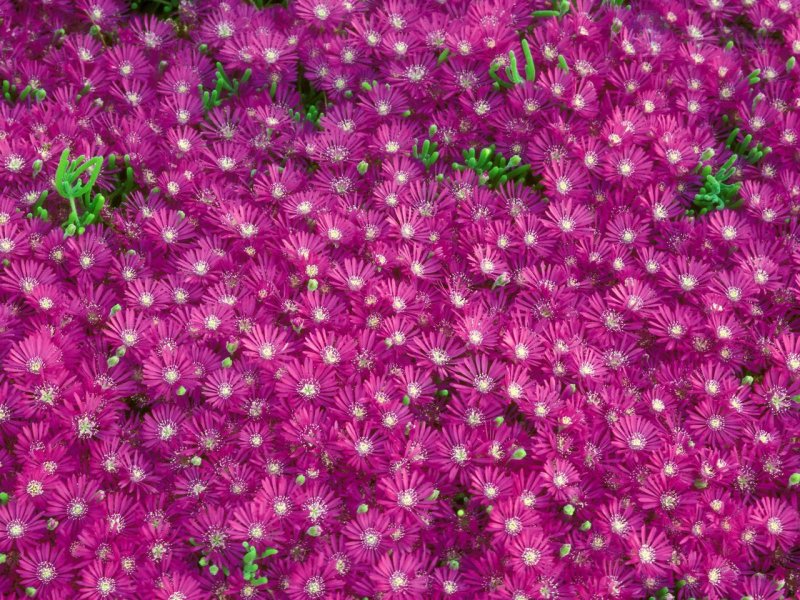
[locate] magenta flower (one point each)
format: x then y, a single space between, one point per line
325 299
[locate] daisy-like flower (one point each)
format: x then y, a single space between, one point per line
566 179
170 372
324 13
34 357
649 551
635 434
176 584
20 526
714 424
101 581
408 493
367 536
560 477
568 219
629 168
779 522
438 351
307 382
396 576
47 569
313 581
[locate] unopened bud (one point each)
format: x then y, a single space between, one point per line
707 154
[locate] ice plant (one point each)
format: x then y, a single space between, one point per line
328 299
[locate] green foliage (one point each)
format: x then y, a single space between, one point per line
492 167
12 94
164 8
743 148
560 8
38 210
512 70
224 88
313 101
74 181
250 567
127 183
715 194
265 3
428 153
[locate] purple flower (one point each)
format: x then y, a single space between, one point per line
490 300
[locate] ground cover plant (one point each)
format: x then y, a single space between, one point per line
399 299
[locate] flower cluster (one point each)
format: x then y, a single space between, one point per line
394 299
